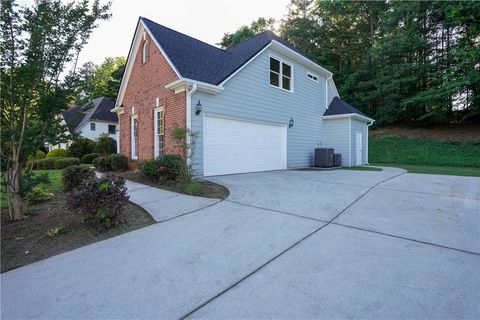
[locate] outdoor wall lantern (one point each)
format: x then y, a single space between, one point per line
291 123
198 108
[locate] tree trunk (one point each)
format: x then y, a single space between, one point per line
15 201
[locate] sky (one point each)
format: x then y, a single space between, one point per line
206 20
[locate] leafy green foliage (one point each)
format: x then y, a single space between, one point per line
165 168
105 145
38 155
403 150
57 153
88 158
411 62
81 147
66 162
246 32
29 181
118 162
102 80
38 195
193 188
74 176
102 163
100 199
38 42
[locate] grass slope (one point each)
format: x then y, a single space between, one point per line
410 151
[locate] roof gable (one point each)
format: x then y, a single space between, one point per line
203 62
96 109
339 107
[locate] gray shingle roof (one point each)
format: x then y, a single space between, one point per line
97 109
201 61
338 106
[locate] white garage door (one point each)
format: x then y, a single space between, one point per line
235 146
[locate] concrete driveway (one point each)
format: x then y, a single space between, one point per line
286 244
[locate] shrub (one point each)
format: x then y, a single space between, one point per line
193 188
57 153
81 147
101 199
28 181
118 162
38 195
165 168
38 155
66 162
102 163
47 163
74 176
105 145
89 157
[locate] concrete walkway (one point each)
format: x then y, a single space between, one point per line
164 205
285 244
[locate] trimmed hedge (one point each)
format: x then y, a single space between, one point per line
81 147
165 168
53 163
89 157
74 176
57 153
66 162
118 162
38 155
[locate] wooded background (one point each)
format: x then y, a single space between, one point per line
401 62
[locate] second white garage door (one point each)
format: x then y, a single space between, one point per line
237 146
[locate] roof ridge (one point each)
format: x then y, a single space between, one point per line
254 37
185 35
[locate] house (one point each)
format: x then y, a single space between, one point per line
90 120
259 105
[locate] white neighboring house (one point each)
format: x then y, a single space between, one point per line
90 120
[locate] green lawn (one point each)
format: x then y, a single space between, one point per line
425 155
455 171
54 186
402 150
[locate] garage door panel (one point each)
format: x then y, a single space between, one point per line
234 146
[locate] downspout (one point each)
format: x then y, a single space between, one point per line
188 118
366 155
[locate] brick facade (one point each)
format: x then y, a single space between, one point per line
146 83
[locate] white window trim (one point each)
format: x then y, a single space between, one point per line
144 55
132 147
313 75
281 74
155 127
94 126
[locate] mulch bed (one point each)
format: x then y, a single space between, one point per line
209 189
27 241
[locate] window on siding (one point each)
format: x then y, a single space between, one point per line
159 132
92 126
146 51
112 129
280 74
313 77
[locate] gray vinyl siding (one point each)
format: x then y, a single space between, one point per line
249 96
338 137
359 126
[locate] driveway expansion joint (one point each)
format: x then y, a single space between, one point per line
186 315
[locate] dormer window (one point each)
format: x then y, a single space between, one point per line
281 74
146 51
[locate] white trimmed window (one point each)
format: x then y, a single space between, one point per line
159 131
312 77
134 137
281 74
146 51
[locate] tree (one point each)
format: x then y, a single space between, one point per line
247 32
37 44
94 81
